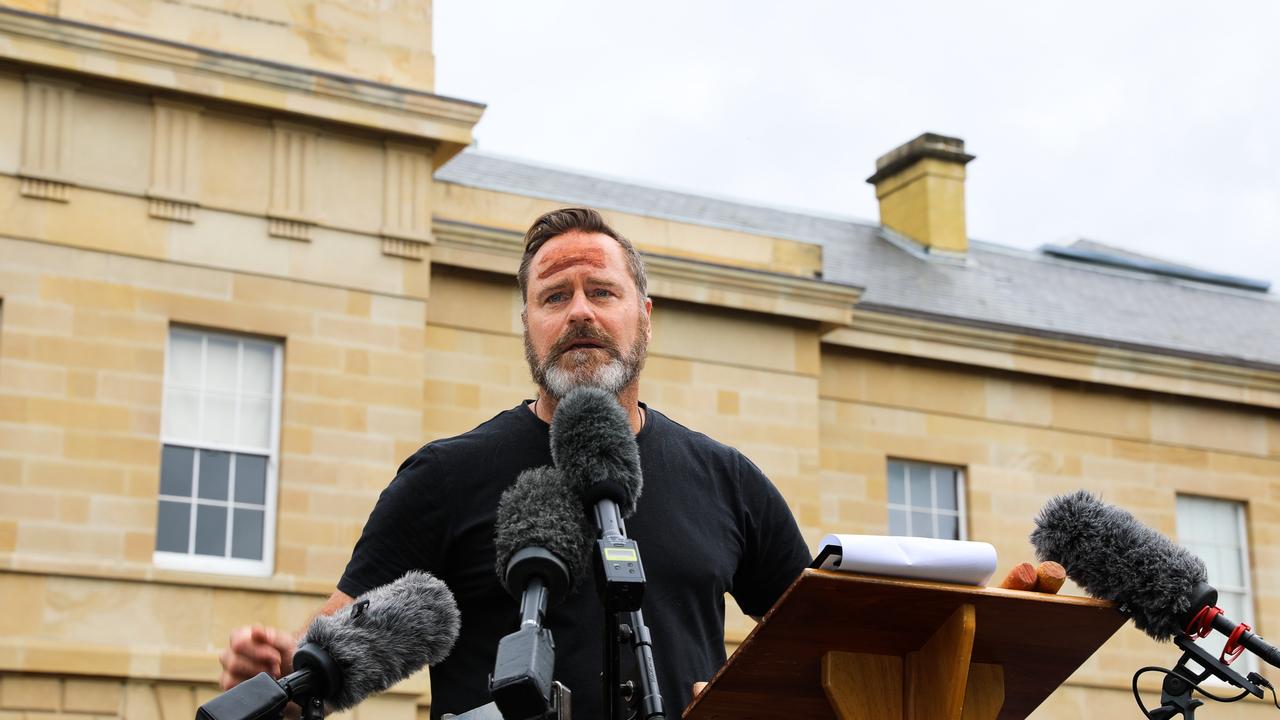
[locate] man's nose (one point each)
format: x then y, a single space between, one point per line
580 309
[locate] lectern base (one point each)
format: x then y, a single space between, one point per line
937 682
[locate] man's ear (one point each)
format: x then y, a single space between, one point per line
648 318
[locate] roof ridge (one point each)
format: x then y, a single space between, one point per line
675 189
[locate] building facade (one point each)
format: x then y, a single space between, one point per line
246 268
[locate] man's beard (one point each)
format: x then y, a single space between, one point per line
584 369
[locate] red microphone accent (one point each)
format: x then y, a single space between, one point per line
1202 624
1233 648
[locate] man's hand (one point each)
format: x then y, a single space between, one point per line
253 649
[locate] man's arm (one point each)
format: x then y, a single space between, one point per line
253 649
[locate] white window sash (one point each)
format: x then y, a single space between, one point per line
191 561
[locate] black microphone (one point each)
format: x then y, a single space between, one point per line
1113 556
383 637
541 541
593 445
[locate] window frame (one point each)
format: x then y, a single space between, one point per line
191 561
962 525
1246 572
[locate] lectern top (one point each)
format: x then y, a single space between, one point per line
1039 639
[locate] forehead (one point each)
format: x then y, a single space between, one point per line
577 251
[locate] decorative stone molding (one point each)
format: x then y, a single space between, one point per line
498 251
45 189
33 39
289 229
945 339
401 248
46 138
406 195
293 165
175 160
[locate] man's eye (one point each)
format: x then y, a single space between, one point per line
601 292
555 297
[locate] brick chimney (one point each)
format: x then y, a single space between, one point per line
920 186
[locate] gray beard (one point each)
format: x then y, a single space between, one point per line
612 377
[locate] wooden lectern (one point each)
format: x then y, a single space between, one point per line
845 646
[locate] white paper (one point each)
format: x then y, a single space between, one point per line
954 561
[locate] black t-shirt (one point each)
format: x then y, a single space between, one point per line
708 522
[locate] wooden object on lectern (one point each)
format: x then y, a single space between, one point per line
857 641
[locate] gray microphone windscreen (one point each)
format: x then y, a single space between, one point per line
1113 556
386 635
592 444
541 510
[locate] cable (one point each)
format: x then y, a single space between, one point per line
1151 668
1263 682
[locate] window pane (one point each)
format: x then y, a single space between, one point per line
211 530
219 419
246 537
1227 570
214 474
897 483
175 470
180 410
184 358
921 524
251 479
255 423
946 485
897 522
921 487
256 369
173 526
948 527
221 365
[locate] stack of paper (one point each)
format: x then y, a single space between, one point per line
954 561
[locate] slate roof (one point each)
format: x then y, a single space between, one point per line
995 286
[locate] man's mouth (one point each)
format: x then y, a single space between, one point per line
584 345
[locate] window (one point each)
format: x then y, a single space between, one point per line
926 500
1214 530
220 430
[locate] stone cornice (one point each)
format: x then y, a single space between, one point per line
494 250
39 40
1017 352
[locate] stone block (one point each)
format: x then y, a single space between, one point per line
8 535
79 476
33 377
22 503
89 293
30 692
92 696
259 290
32 441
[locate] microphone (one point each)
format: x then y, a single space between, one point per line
383 637
592 444
539 516
541 541
1113 556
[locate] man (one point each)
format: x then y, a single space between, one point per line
708 521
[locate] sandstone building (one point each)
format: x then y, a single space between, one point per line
246 267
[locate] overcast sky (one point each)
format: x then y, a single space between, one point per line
1150 125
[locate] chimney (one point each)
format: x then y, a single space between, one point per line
920 186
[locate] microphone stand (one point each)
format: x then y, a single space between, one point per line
1175 691
620 583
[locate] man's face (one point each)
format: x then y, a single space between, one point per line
584 322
